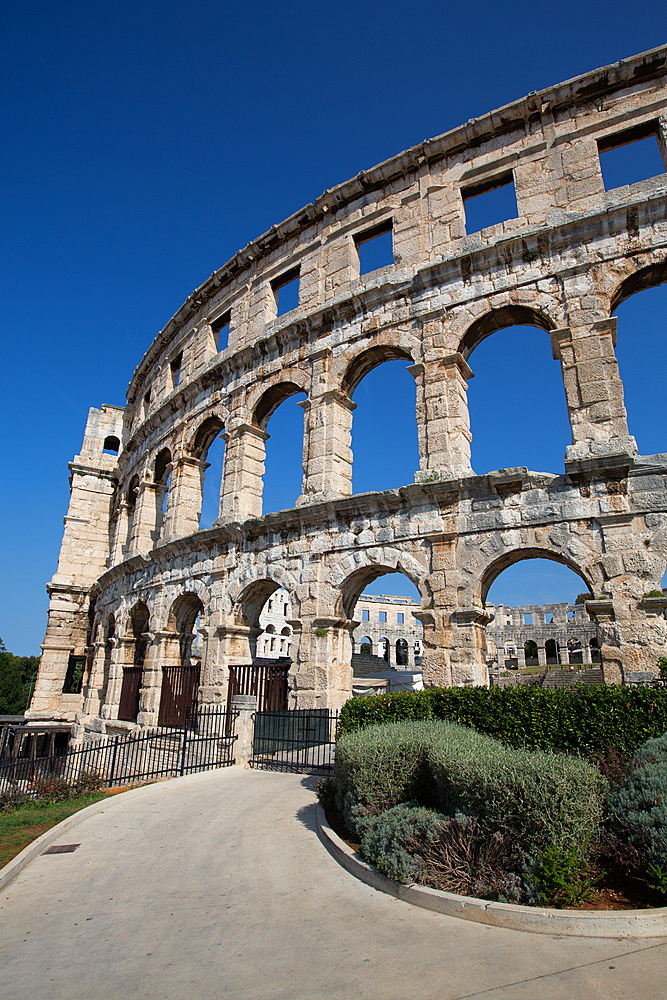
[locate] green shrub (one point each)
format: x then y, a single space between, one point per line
639 806
563 878
538 799
580 719
390 840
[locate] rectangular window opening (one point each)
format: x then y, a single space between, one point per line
220 328
364 615
286 290
375 248
147 403
528 619
570 616
548 617
630 156
74 676
382 616
489 203
175 369
399 617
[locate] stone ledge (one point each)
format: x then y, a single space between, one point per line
535 920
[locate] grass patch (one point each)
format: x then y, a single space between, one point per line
24 824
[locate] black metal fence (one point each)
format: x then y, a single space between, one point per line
204 741
299 740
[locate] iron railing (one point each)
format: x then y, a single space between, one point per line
204 741
298 740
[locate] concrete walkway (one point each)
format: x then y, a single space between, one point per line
216 885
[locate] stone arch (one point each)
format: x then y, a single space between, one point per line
269 399
498 565
181 620
369 358
204 436
162 466
639 281
498 319
351 585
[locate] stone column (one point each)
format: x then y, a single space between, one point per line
327 455
594 394
443 421
632 635
122 533
323 674
162 651
184 499
109 709
243 469
541 654
521 655
585 650
145 521
94 692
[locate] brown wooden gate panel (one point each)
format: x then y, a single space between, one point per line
179 693
268 681
129 694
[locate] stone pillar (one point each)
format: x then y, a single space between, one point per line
122 533
243 469
244 726
147 517
541 654
521 655
594 394
585 650
184 499
94 690
162 651
327 455
632 635
109 709
323 674
443 421
436 664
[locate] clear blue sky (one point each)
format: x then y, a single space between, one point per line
145 143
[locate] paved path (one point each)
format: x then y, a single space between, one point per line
216 885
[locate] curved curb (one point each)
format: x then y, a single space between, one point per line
37 847
575 923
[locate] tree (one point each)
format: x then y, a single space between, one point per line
16 675
582 598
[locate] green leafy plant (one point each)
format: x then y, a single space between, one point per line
320 632
656 878
564 878
654 593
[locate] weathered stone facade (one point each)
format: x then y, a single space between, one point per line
384 623
135 571
562 634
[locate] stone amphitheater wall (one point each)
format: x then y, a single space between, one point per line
571 255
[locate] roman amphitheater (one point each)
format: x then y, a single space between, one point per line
138 584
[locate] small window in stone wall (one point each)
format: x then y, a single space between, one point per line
286 290
399 617
375 248
528 619
175 369
74 676
111 445
490 202
382 616
220 328
364 615
548 617
630 156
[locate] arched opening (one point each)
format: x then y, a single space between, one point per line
183 617
366 646
531 595
162 480
388 636
384 426
111 445
208 445
135 652
278 412
641 350
516 401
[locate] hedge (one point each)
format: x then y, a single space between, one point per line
584 719
540 799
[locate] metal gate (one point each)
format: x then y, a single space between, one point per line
178 695
129 694
301 740
267 681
